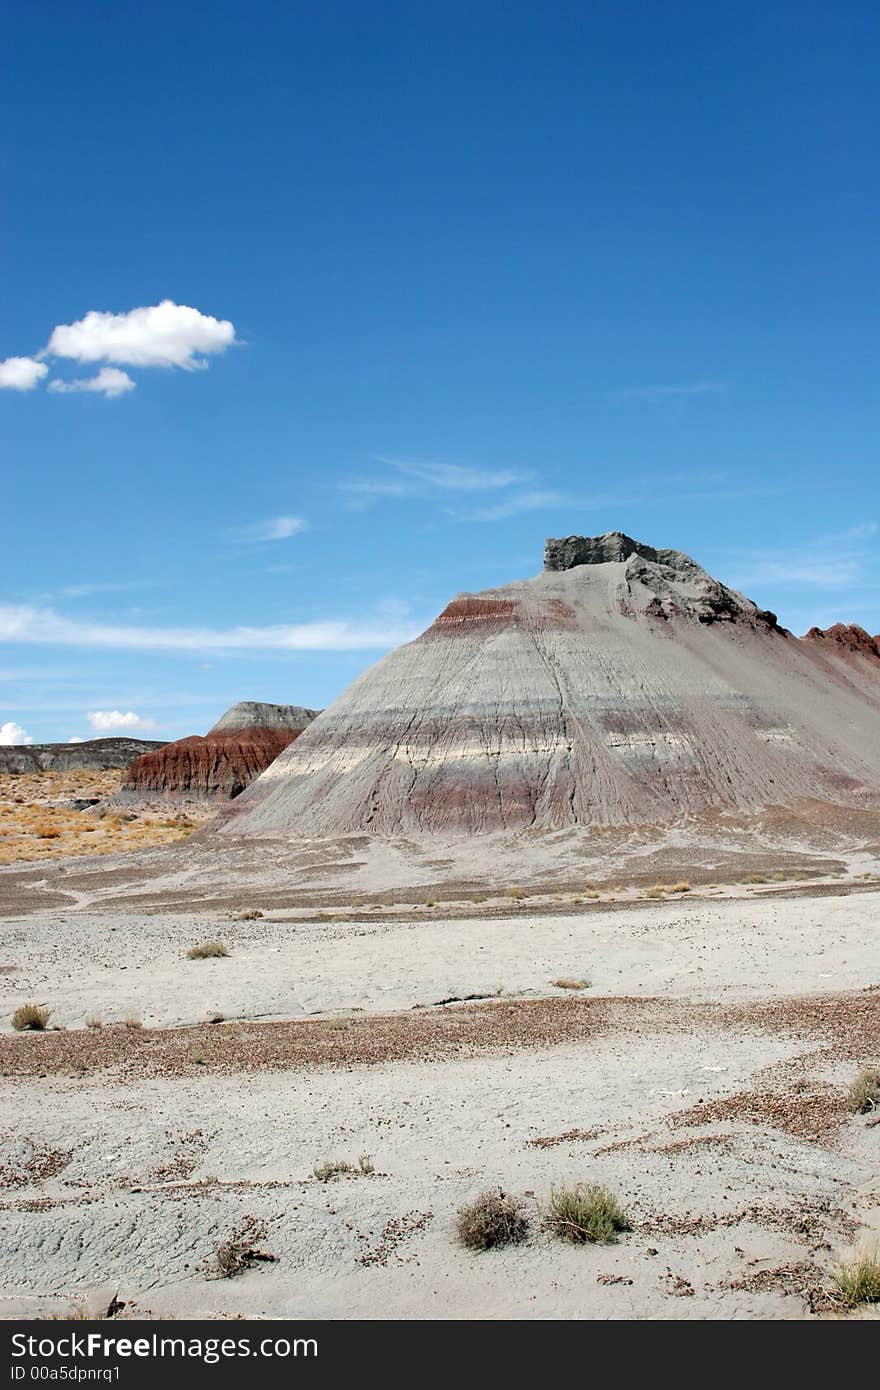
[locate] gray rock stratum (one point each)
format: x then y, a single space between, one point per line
94 754
623 685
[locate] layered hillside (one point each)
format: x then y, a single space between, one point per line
621 685
243 742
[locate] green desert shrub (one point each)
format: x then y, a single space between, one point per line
585 1213
493 1218
30 1018
206 950
857 1280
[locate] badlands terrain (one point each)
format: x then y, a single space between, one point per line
582 886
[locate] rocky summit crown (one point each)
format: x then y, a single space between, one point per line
613 547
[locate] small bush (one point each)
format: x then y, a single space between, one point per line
755 878
238 1252
659 890
332 1168
585 1213
341 1168
207 950
492 1219
250 914
565 983
131 1023
30 1018
864 1093
47 832
517 893
858 1280
94 1022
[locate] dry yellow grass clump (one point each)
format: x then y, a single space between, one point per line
36 821
659 890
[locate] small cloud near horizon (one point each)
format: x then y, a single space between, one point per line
105 721
12 735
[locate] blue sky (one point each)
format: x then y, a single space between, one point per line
460 277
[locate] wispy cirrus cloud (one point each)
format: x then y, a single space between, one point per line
276 528
88 589
429 481
679 392
838 560
514 504
23 624
456 477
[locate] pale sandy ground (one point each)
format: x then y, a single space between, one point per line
124 1181
113 967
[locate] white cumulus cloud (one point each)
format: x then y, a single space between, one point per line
21 373
12 733
160 335
106 720
76 740
110 381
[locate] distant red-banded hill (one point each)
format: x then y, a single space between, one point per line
221 764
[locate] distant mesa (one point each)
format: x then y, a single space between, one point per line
93 755
623 685
846 637
241 745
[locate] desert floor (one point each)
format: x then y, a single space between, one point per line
699 1070
39 819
